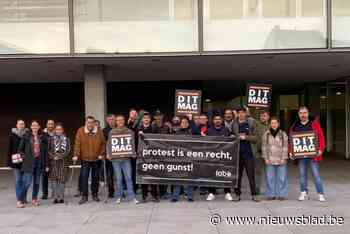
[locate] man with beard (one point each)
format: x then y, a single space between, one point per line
218 129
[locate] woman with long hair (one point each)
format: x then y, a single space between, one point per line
33 148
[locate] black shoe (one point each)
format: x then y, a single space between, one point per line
44 197
83 200
55 201
174 200
190 200
95 198
61 201
270 198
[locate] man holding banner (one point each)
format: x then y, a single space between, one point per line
307 144
218 129
120 149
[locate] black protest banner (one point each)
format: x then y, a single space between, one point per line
304 144
187 160
259 95
121 145
188 102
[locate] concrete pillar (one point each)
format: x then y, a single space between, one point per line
95 92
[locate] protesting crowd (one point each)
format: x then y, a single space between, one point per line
40 157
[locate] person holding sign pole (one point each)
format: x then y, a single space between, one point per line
89 147
184 130
245 129
275 153
120 150
218 129
306 124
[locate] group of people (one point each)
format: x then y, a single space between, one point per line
264 150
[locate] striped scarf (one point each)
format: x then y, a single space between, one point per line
60 144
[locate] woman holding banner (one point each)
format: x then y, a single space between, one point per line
183 130
275 154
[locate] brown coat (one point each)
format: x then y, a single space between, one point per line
89 146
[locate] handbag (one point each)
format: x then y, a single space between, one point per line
16 158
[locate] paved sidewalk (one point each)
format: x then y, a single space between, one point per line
181 217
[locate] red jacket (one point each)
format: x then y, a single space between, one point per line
321 140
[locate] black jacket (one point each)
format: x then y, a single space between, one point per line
26 149
222 131
14 142
148 129
164 129
106 131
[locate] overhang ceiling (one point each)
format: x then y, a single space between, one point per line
285 70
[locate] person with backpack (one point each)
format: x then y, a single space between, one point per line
275 154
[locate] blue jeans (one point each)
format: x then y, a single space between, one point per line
122 167
303 167
36 179
27 179
22 184
276 181
176 192
18 183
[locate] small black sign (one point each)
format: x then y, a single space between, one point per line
188 102
259 95
304 144
121 145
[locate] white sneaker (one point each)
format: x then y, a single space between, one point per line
136 201
321 198
210 197
118 201
228 197
303 196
